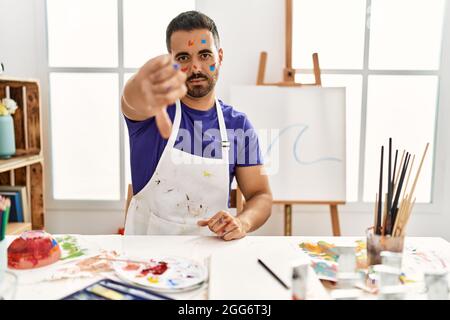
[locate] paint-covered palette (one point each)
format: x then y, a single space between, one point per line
166 273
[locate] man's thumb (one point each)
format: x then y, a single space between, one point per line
202 223
163 123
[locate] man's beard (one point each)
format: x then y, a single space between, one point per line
199 91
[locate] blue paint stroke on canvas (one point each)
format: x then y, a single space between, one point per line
303 128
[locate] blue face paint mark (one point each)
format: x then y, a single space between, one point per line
203 41
212 68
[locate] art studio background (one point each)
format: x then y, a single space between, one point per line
391 57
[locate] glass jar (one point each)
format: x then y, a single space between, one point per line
7 137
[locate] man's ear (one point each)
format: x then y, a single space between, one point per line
220 56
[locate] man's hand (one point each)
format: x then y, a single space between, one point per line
157 84
226 226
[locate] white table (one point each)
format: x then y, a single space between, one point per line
234 272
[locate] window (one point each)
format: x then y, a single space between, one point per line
89 60
387 55
85 133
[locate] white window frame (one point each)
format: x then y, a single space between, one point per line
438 166
45 71
440 149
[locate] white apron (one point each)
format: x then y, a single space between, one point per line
184 188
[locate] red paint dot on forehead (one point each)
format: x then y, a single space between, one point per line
190 43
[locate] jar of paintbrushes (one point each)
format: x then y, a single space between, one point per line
378 243
392 212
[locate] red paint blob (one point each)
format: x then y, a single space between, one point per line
159 269
33 249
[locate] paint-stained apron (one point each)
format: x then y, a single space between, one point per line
184 188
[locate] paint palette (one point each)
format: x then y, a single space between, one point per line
164 274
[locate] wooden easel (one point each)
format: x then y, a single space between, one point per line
289 81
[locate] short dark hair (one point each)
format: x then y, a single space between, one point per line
191 20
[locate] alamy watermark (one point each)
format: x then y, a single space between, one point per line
244 147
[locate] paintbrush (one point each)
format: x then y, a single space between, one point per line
375 215
395 169
273 274
398 172
389 199
399 190
411 193
383 228
409 174
380 194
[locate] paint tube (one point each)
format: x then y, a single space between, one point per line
387 276
299 280
347 280
392 259
437 284
347 258
396 292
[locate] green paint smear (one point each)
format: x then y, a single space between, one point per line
70 247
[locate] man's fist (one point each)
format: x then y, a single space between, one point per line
157 84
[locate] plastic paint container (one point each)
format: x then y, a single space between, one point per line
392 259
347 280
437 284
299 280
387 276
347 258
397 292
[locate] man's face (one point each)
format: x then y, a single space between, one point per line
198 56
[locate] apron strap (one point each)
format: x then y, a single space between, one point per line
223 132
175 125
222 128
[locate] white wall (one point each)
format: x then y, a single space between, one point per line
247 28
18 38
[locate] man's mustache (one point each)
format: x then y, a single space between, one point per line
196 76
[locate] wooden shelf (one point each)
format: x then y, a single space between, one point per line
16 228
19 162
18 80
25 168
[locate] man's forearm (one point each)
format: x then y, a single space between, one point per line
137 113
256 212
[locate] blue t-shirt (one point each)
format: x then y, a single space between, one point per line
147 145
